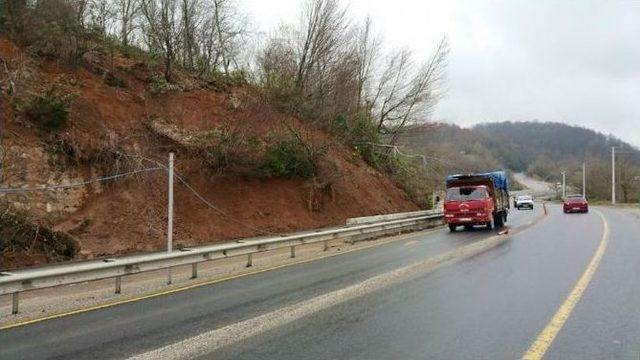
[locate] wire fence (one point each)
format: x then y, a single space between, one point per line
78 184
159 167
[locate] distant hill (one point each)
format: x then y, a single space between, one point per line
518 145
541 149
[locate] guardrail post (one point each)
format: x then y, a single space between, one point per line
194 270
293 251
249 260
326 245
118 284
15 299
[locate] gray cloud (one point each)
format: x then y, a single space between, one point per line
570 61
573 62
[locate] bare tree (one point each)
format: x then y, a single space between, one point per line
277 60
392 84
406 95
127 11
163 29
81 7
100 13
323 24
367 48
221 35
189 12
627 174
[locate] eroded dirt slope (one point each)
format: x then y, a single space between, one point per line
113 128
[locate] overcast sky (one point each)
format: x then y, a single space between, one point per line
576 62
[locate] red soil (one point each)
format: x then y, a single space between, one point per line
130 215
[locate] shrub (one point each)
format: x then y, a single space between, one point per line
221 81
292 156
359 132
409 177
279 89
49 111
355 130
55 32
19 233
112 80
226 148
160 85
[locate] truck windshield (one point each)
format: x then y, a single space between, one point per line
466 193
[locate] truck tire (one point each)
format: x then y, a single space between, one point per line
498 220
452 228
490 225
504 218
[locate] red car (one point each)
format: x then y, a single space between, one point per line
575 203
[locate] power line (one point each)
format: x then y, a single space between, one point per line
160 166
218 210
202 198
83 183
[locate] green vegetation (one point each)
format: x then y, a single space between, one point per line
160 85
287 155
112 80
355 130
521 145
19 233
544 150
292 156
411 178
49 111
221 81
336 86
228 149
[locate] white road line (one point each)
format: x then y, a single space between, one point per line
213 340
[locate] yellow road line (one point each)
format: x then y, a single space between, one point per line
546 337
203 283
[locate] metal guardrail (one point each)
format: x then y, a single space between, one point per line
14 282
387 217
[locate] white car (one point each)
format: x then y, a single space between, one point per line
523 201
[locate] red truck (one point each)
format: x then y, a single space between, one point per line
477 199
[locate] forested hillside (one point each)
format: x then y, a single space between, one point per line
519 145
541 149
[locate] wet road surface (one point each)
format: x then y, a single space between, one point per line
490 306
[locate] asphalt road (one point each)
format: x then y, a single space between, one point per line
489 306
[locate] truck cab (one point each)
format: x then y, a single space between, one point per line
476 199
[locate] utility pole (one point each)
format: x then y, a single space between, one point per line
613 175
170 213
584 180
564 186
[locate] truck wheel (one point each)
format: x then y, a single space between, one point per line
498 220
452 228
504 218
